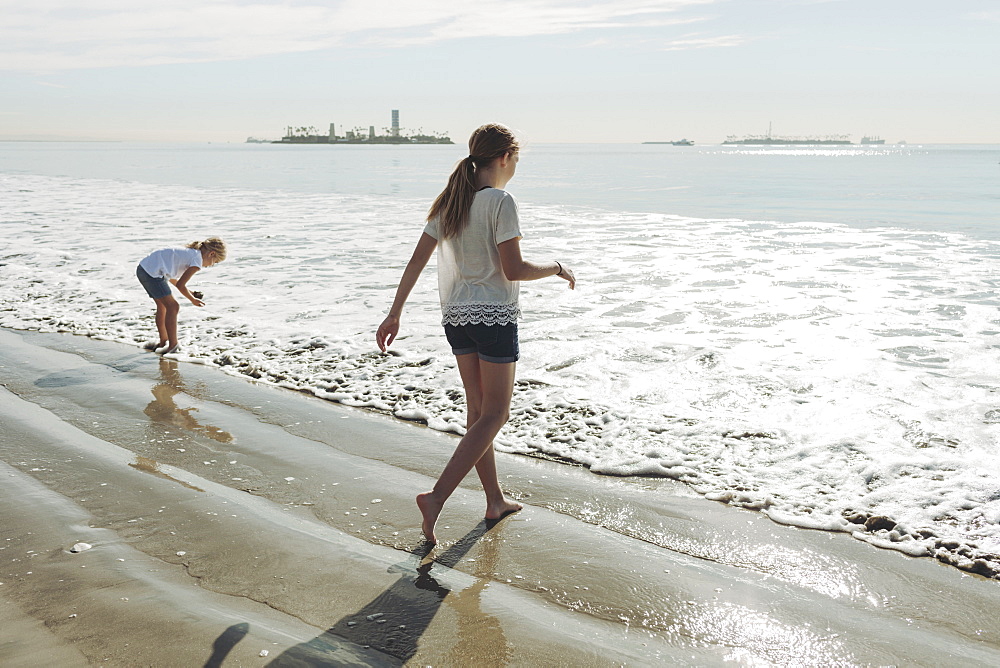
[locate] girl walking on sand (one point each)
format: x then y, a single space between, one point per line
176 265
476 224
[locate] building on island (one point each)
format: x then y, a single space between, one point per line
394 135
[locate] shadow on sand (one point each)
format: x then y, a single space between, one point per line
225 643
394 621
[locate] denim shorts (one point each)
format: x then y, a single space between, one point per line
493 343
157 288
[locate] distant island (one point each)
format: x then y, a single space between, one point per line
678 142
771 140
782 141
774 140
392 135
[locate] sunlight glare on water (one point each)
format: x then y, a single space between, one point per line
819 372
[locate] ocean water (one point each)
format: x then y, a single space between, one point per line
810 332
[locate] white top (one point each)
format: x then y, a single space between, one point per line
171 262
471 282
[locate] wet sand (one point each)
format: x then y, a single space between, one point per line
239 524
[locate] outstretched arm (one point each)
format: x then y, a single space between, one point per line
516 268
181 284
421 255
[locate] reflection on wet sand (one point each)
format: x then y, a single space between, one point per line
481 641
164 409
395 620
147 465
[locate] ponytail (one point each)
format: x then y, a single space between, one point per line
451 207
213 245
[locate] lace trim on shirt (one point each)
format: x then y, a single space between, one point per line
479 314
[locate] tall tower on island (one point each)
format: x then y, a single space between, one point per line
395 122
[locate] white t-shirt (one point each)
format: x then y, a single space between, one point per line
471 282
171 262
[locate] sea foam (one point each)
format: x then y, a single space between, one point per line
830 377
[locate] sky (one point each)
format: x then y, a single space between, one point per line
555 70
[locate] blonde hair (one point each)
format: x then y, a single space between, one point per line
487 143
212 245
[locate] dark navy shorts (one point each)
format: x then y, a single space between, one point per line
493 343
157 288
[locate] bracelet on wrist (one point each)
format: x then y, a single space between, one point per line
559 273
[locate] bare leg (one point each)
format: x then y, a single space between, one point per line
170 309
497 385
161 323
497 505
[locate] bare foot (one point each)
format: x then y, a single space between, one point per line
430 508
501 510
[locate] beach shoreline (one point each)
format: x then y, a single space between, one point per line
238 523
828 376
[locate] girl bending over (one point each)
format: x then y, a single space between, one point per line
175 265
